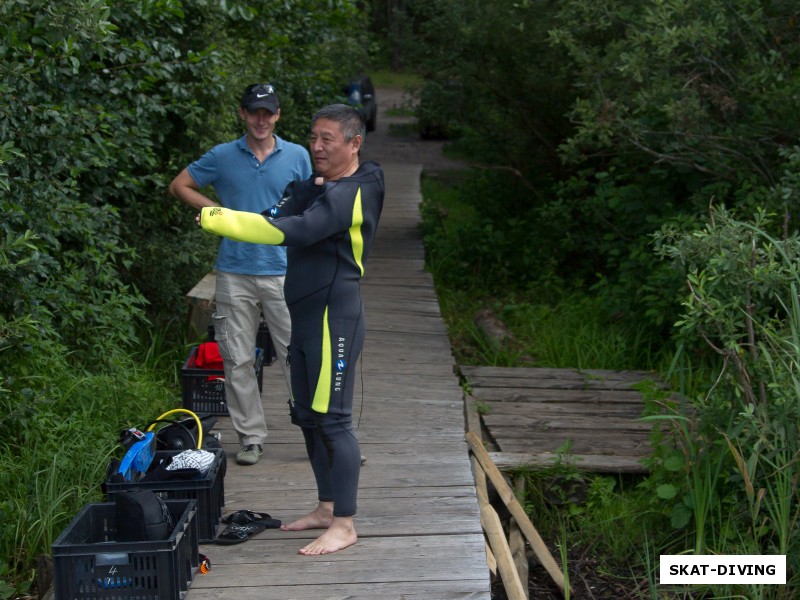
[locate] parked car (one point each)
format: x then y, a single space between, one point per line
361 93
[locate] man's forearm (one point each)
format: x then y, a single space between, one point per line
240 226
192 197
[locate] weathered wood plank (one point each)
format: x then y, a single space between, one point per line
203 292
586 422
423 547
552 443
533 413
415 590
557 395
517 511
510 461
487 376
319 571
551 415
201 305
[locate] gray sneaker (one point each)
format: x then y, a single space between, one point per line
249 455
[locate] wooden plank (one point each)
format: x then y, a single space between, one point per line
505 561
511 461
203 292
532 414
599 448
581 442
516 540
201 305
505 376
632 410
415 590
482 491
372 570
558 395
587 420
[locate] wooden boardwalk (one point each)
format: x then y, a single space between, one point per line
538 416
418 520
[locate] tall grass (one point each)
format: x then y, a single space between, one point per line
573 332
58 430
577 332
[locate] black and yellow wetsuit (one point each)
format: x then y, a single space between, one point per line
328 231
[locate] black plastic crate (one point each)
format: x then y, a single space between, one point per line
89 564
209 491
203 393
263 341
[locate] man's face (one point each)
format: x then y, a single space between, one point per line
260 123
331 153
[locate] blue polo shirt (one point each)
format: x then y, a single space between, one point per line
243 183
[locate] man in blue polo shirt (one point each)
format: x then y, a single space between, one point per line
248 174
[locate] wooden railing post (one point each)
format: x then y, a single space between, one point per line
517 511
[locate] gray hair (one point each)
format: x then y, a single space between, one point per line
349 119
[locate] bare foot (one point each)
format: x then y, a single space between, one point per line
318 519
339 536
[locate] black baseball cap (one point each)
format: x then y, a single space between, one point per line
260 95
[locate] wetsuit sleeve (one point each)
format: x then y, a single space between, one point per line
240 225
292 202
337 211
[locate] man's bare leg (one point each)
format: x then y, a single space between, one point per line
319 518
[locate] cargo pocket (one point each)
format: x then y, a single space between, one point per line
220 324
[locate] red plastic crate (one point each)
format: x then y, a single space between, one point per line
263 341
204 390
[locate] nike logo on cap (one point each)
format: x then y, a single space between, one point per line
262 95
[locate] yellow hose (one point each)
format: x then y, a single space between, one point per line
187 411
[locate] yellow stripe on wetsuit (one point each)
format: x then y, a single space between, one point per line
356 239
322 395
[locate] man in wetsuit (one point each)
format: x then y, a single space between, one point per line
248 173
327 223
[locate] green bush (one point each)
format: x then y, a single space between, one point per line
104 103
734 469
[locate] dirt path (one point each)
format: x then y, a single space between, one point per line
403 146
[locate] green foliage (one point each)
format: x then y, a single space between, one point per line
606 518
697 86
104 103
735 443
482 408
579 331
554 322
742 281
595 130
489 70
606 121
59 428
467 238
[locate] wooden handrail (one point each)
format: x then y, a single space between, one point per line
517 511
